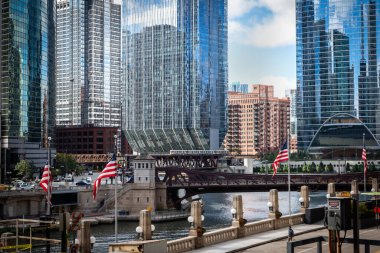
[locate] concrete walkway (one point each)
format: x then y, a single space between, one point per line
257 239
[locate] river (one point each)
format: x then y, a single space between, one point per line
217 214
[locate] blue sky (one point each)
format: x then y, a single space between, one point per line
262 43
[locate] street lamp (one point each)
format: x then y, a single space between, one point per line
270 206
190 219
233 212
139 231
302 201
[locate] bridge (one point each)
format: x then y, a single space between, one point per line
199 181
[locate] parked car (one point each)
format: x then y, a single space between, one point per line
90 172
69 178
26 186
81 183
88 179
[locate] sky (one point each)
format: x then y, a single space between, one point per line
262 43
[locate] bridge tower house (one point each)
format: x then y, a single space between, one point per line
146 192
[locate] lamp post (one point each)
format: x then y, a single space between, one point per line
233 212
270 206
50 179
116 232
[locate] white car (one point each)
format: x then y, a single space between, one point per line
88 179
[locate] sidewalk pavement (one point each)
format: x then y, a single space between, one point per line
257 239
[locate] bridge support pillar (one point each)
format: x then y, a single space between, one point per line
304 199
145 223
237 215
375 185
331 189
273 205
196 228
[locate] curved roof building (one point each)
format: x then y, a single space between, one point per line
342 135
337 66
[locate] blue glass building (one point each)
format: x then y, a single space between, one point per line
27 76
175 63
337 64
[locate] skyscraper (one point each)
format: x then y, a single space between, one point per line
27 78
337 63
88 63
175 61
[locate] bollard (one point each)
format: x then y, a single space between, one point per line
354 188
355 216
237 215
375 185
145 223
274 212
304 199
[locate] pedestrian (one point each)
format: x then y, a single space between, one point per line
290 234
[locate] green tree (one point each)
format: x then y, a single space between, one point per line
348 167
371 166
313 167
24 169
321 167
329 168
66 163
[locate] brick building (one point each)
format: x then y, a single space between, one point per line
89 140
257 121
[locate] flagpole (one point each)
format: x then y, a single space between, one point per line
49 181
290 207
364 165
117 173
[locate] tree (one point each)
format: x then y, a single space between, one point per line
329 168
24 169
371 166
348 167
313 167
321 167
66 163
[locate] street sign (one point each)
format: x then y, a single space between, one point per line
76 218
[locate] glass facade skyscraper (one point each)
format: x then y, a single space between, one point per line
88 63
337 63
175 62
27 73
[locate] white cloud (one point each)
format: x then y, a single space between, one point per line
280 84
277 30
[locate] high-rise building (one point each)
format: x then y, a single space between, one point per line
257 121
291 94
175 73
238 87
337 64
88 63
27 79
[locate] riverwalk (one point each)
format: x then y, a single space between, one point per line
276 241
258 239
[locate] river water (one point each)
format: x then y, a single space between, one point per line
217 214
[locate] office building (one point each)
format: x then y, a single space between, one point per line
88 63
337 65
257 121
175 61
27 79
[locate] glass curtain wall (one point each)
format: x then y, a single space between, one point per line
175 59
337 63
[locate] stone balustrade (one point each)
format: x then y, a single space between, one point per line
259 226
181 245
220 235
289 220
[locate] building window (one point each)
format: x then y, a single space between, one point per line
146 179
138 199
147 199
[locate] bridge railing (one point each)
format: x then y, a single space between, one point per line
287 220
220 235
181 245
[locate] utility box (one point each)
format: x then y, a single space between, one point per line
339 213
151 246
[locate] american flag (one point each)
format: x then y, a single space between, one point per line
109 171
282 156
46 182
364 158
